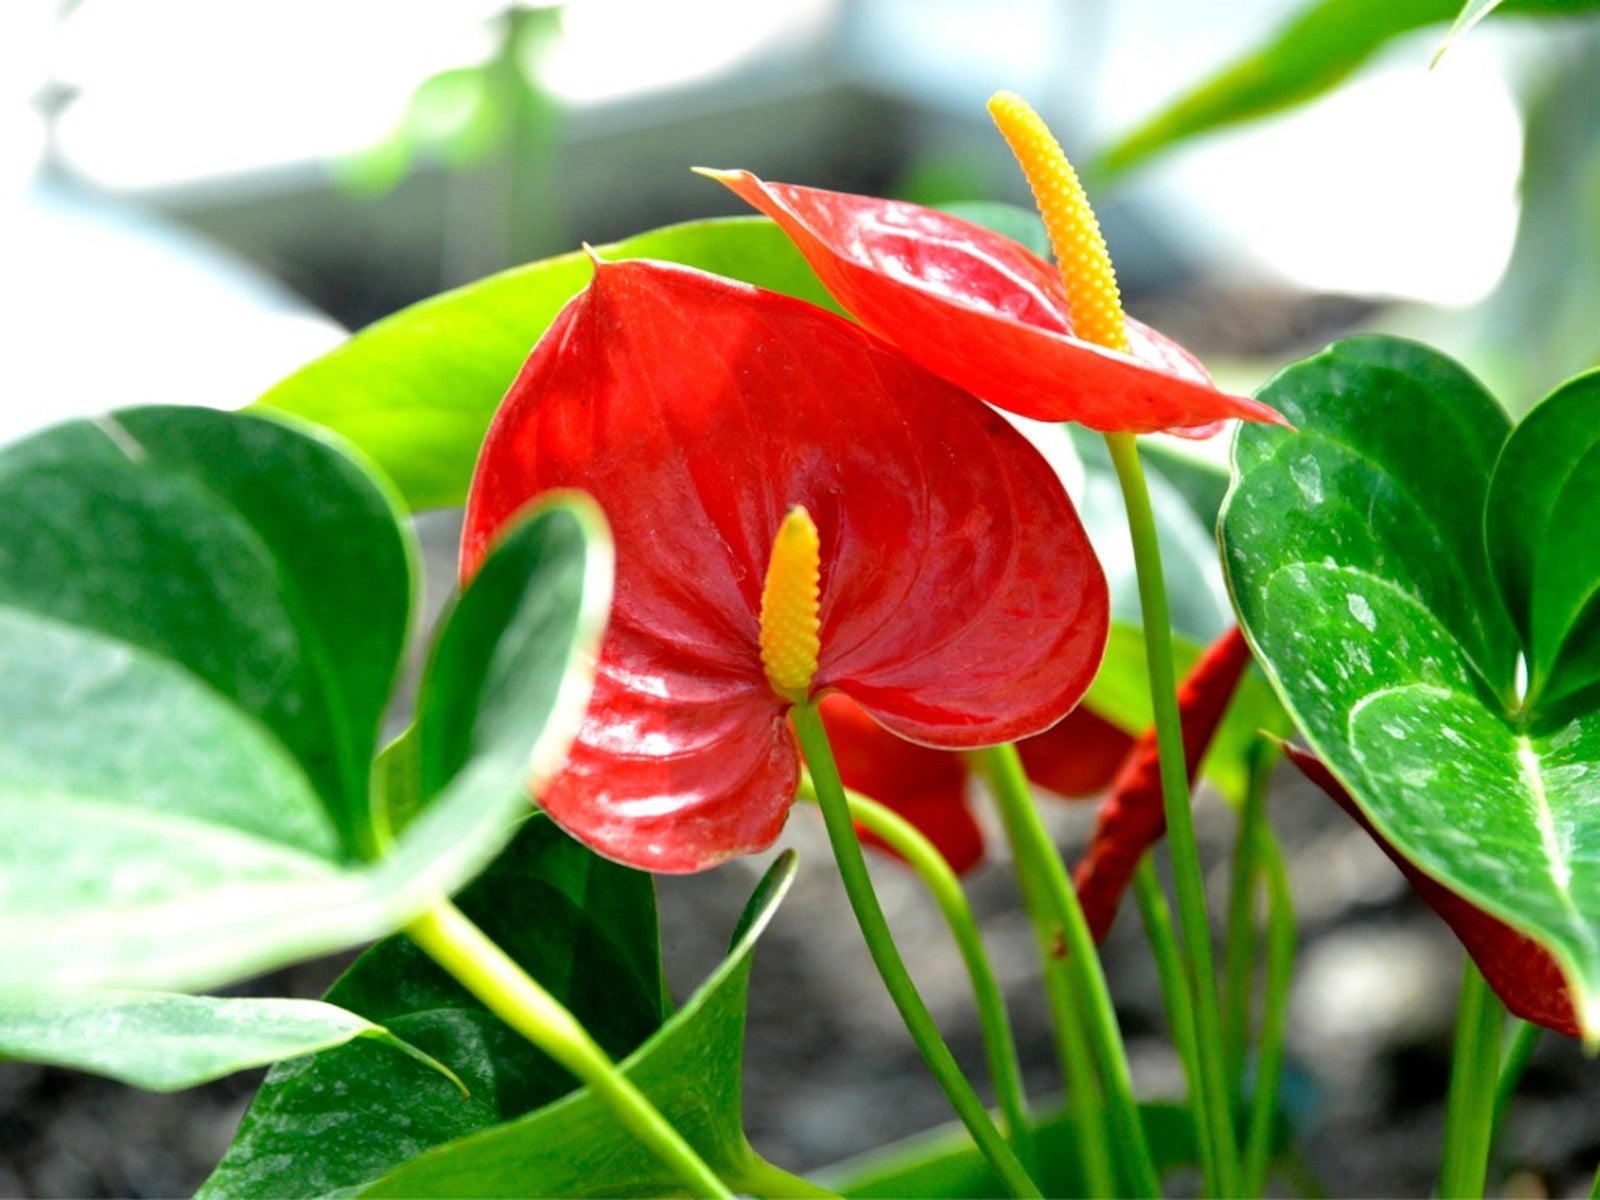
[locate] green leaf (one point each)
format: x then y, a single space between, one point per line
690 1069
200 614
167 1041
1356 558
416 390
583 927
178 538
1542 517
1308 56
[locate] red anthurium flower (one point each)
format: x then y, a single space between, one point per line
959 601
1076 757
1521 972
1134 817
988 314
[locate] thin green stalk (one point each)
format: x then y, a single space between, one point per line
1524 1037
1009 784
1174 996
1188 881
1066 1009
1000 1047
1274 1011
1239 950
485 970
813 739
1474 1066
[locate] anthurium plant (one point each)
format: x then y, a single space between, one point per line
747 524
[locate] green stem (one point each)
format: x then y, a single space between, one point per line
1474 1066
1066 1004
485 970
1174 996
1524 1037
835 807
1274 1011
758 1177
1009 784
1000 1047
1188 881
1239 951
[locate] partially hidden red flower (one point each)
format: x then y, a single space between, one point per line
1522 973
1076 757
960 601
1134 817
988 314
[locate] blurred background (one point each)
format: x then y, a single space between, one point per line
199 197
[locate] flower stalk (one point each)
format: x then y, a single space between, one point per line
446 935
919 1022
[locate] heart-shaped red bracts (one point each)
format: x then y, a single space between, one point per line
961 603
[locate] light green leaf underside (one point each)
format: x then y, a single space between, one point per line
167 1041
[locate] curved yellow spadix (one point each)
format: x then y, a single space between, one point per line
1075 236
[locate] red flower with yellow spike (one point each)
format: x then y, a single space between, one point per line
991 316
798 509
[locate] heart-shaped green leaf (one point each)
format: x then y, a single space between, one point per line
1356 557
200 614
167 1041
1542 519
690 1069
416 390
584 927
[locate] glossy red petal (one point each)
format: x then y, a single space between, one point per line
1079 756
1522 973
988 314
960 598
1133 817
926 787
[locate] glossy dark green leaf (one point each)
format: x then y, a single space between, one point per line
1310 54
416 390
1542 524
690 1068
180 538
167 1041
200 614
583 927
1357 562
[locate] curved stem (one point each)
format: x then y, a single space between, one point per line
1000 1048
835 807
1066 1006
485 970
1474 1065
1187 879
758 1177
1008 782
1174 997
